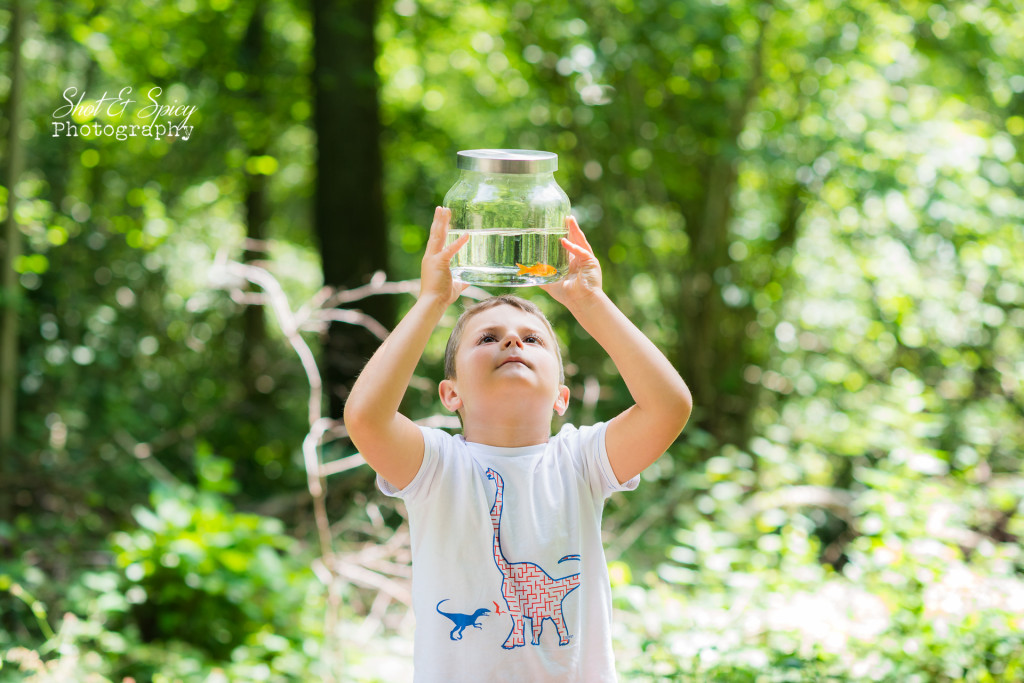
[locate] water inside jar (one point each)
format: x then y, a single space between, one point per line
510 258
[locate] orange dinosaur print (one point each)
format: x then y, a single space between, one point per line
529 591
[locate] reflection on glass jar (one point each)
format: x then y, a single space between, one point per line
509 203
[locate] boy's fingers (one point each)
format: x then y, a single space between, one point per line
449 252
435 230
438 228
576 234
577 249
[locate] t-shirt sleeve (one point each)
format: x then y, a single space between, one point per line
594 461
433 442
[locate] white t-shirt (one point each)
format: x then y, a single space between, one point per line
532 602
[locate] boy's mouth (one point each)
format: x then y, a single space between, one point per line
513 359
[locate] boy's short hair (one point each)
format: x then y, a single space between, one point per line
502 299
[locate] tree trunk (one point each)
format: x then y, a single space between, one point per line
10 292
713 349
703 357
253 359
349 201
253 59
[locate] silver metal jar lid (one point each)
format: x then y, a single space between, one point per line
507 161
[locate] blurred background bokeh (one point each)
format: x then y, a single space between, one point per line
813 206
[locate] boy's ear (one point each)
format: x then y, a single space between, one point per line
449 396
562 401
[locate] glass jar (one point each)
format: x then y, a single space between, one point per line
509 203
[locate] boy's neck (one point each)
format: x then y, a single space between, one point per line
507 433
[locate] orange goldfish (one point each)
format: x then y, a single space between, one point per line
538 269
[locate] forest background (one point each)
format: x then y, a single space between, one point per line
813 206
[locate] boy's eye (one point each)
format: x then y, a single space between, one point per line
532 339
488 338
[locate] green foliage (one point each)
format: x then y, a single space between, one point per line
926 592
194 589
201 574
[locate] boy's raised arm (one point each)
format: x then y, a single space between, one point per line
390 442
641 433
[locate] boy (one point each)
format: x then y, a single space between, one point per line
509 577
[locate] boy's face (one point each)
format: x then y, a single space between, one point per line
506 358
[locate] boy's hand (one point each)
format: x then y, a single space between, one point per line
583 281
435 270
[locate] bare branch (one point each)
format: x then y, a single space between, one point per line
353 318
378 285
836 500
440 421
342 465
371 579
247 298
253 244
143 452
352 461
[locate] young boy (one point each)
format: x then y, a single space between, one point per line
510 581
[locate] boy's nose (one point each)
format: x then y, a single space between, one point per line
513 339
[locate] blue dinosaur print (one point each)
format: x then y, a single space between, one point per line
462 621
